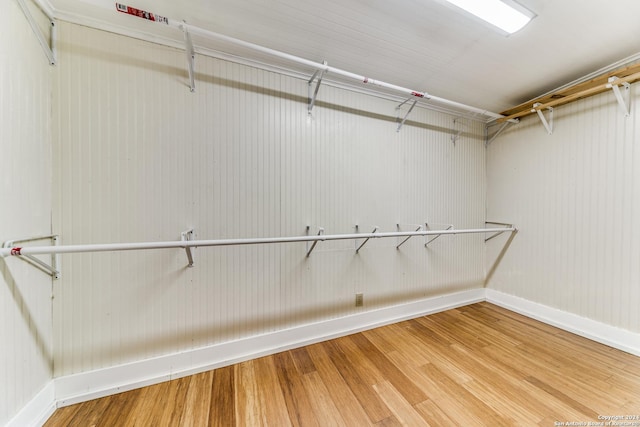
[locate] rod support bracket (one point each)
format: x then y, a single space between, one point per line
454 138
408 237
48 47
623 97
502 128
358 247
312 96
52 269
315 242
187 236
191 57
548 124
449 227
404 119
508 227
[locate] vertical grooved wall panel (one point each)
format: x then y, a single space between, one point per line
140 158
575 195
26 359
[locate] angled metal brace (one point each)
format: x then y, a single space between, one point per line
49 50
404 119
504 126
455 137
624 101
365 240
313 246
501 255
450 226
191 56
51 269
509 226
548 125
312 97
408 237
186 236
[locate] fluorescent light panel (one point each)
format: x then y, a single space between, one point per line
495 12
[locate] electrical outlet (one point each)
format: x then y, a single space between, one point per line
359 300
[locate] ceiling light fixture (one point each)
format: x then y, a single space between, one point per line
506 15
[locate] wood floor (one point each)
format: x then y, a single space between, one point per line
478 365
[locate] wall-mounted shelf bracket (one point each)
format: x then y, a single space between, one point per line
404 119
187 236
502 128
408 237
49 47
455 137
358 247
548 125
509 227
312 96
51 269
315 242
623 97
191 57
449 227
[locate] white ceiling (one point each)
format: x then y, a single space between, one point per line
425 45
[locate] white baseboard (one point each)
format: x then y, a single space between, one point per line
85 386
38 410
596 331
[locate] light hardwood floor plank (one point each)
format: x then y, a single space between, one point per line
404 412
400 381
270 394
222 411
143 406
322 404
474 411
295 395
115 412
477 365
198 400
352 368
405 342
433 414
249 409
343 396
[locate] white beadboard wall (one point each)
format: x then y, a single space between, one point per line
26 359
140 158
575 195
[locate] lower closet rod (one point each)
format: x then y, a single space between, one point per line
39 250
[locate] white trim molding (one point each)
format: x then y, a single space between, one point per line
85 386
90 385
38 410
596 331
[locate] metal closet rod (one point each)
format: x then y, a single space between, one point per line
183 244
182 26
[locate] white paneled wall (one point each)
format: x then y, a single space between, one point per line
25 197
576 197
140 158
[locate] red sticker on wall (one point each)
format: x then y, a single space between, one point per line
141 13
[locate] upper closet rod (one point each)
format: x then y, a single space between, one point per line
182 26
40 250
